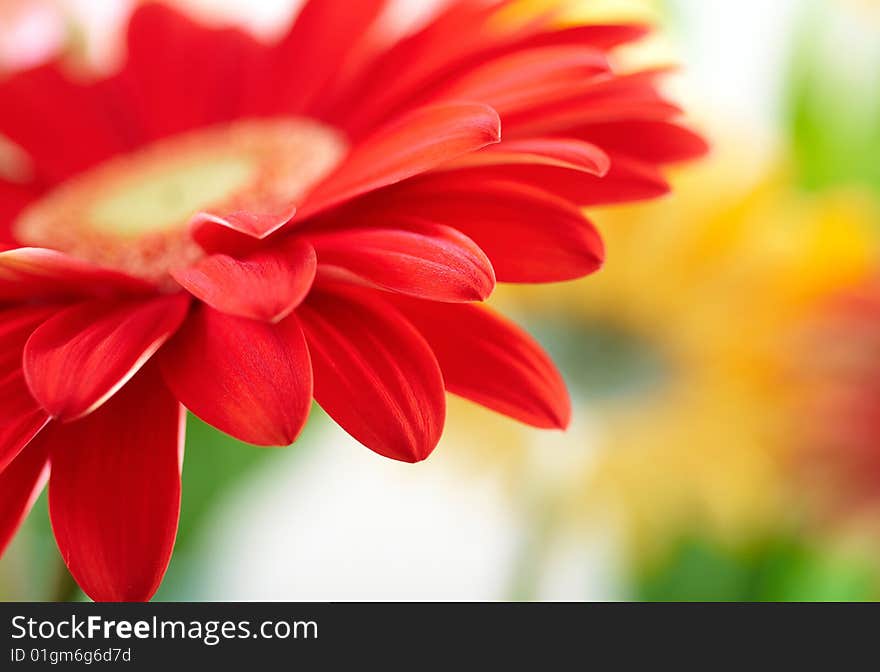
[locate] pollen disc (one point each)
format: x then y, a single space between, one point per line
132 212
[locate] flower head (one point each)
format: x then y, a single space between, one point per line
236 228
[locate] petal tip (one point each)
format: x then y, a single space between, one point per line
411 454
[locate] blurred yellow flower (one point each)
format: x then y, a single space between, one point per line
653 50
579 12
681 369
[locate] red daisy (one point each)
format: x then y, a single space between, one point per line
237 228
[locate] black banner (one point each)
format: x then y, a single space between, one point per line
147 636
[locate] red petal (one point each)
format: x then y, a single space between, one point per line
600 36
413 145
602 99
627 180
557 152
21 483
651 141
450 36
78 359
13 199
264 286
205 227
37 273
313 55
425 260
22 416
501 216
114 492
374 374
16 326
460 38
52 111
182 75
249 379
493 362
240 234
529 78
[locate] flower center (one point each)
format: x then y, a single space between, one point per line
131 213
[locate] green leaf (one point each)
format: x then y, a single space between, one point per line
832 110
777 568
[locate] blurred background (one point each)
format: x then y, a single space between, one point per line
725 366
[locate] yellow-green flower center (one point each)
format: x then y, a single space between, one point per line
132 212
158 198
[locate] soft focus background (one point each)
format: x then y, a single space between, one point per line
725 366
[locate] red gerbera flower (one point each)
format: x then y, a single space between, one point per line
235 228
